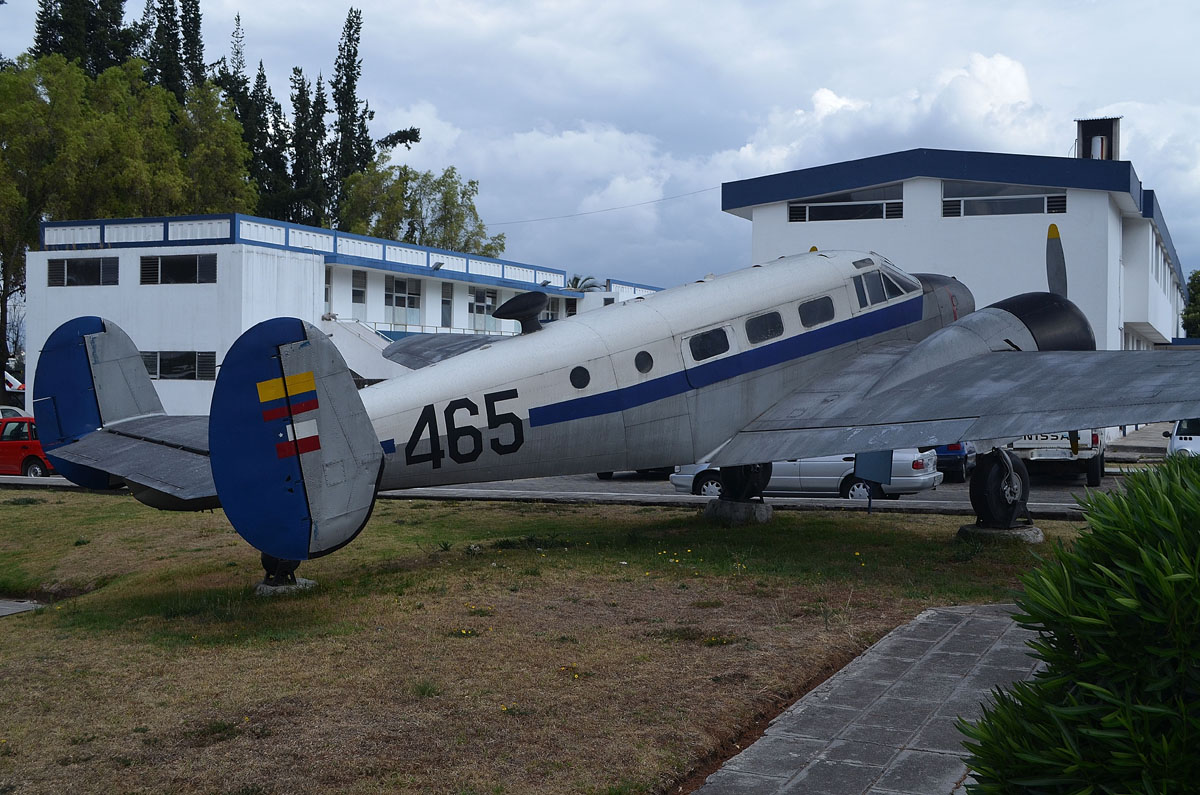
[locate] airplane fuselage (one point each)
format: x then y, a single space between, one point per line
650 382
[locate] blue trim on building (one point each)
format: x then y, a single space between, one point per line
758 358
1065 172
447 275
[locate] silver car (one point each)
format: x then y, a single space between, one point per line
1184 438
829 475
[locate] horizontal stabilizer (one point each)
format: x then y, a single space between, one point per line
421 350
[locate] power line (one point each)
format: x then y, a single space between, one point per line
606 209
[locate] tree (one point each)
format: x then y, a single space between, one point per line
308 193
401 203
166 66
214 156
269 140
1191 312
583 284
192 42
351 147
89 32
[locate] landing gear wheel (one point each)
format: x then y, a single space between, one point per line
279 572
707 484
999 490
1095 470
34 469
744 483
858 489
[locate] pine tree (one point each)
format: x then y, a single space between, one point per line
268 165
308 205
193 43
166 67
88 32
351 149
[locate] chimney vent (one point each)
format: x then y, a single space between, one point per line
1098 139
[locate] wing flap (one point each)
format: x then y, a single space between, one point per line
999 395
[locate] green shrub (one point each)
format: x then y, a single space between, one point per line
1117 708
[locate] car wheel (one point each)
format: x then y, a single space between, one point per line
707 484
859 489
1095 470
34 469
604 475
960 474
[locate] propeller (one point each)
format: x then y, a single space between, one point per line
1056 263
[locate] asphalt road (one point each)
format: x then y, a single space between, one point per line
1050 498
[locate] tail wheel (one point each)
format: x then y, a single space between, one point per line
743 483
999 490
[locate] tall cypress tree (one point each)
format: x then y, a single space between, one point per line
192 42
89 32
165 63
268 149
351 149
308 150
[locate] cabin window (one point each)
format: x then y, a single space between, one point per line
580 377
870 289
82 272
764 327
817 311
709 344
644 362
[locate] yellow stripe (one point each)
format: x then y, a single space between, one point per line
276 388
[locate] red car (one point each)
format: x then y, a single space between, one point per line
20 451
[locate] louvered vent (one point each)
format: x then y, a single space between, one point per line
951 208
797 213
206 365
56 273
149 270
893 210
109 270
1056 204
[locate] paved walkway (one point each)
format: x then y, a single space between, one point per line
885 724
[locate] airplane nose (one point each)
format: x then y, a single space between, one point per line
954 298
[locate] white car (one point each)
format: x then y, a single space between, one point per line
830 475
12 411
1184 438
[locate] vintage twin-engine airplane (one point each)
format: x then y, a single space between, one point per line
808 355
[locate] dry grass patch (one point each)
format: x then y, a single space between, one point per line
470 648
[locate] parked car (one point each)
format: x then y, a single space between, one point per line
1070 451
12 411
20 451
1184 438
956 460
829 475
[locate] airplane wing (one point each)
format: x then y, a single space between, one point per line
994 395
422 350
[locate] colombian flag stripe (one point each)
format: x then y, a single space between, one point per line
287 411
277 388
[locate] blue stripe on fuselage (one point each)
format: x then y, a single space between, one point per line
759 358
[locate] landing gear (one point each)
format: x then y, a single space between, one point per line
279 572
1000 497
1000 490
744 483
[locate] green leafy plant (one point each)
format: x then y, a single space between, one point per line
1117 708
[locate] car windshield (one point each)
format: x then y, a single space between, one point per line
1189 427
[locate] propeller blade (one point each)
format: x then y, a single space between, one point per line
1056 263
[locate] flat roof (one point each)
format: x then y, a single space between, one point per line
1115 176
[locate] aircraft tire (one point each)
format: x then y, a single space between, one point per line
744 483
987 491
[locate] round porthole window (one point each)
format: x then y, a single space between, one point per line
644 362
580 377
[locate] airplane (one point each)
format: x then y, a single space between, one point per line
813 354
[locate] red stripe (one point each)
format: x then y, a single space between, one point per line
284 411
305 445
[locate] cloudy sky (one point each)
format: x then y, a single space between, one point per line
576 108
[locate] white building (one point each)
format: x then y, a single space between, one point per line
185 288
983 218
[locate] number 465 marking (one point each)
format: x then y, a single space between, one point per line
464 443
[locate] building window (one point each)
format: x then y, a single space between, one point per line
179 269
551 312
358 295
447 304
764 327
572 306
181 365
480 309
328 289
884 201
82 272
401 300
966 198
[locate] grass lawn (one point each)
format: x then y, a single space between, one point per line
454 647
